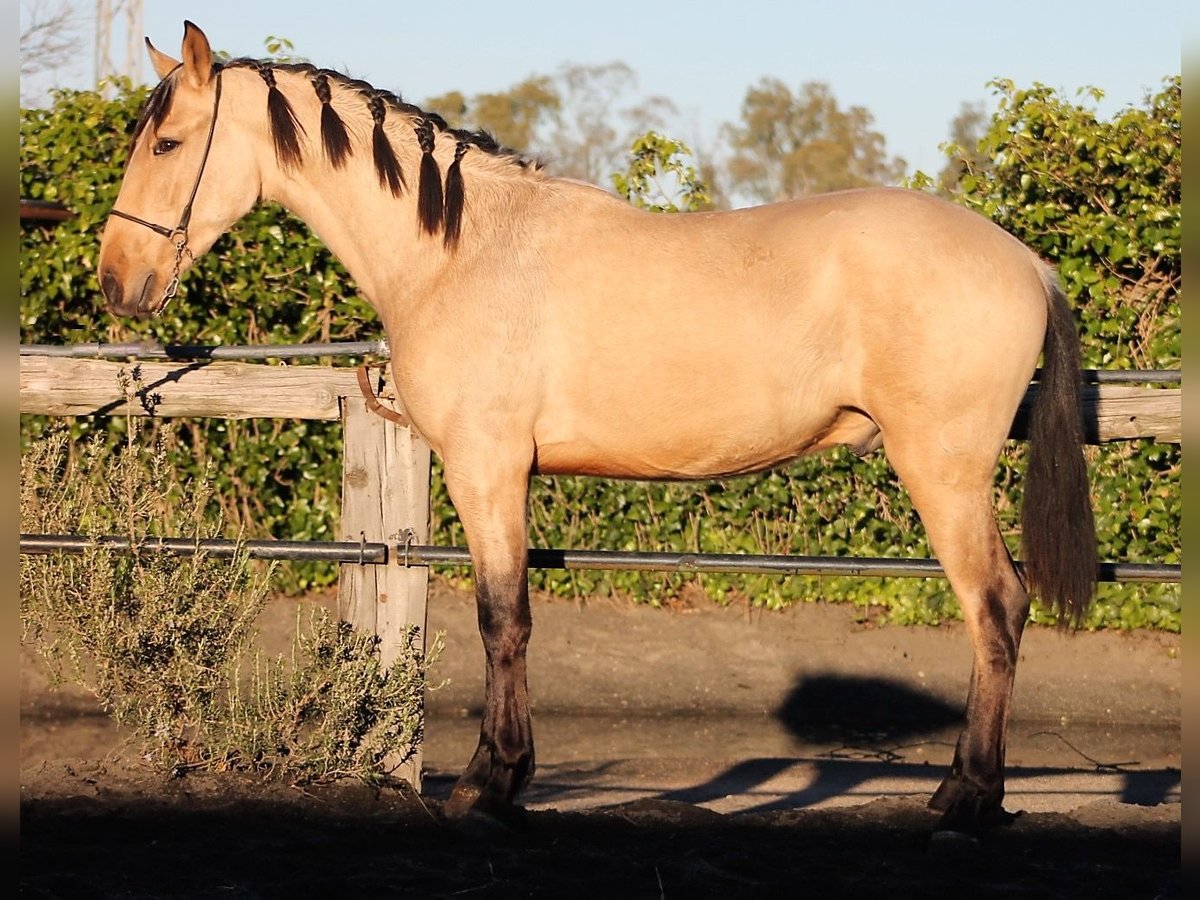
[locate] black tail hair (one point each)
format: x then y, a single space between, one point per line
1058 528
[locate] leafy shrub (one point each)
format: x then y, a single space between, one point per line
332 709
659 178
1102 201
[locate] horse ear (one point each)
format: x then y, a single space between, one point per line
163 65
197 56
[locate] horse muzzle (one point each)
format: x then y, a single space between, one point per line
143 302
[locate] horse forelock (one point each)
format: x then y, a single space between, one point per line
439 206
157 105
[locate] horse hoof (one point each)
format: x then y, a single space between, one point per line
462 801
473 814
485 825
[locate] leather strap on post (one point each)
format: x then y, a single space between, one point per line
373 404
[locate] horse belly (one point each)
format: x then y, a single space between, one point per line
702 446
716 391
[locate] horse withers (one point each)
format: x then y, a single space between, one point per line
541 325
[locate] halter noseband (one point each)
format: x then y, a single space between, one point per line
179 234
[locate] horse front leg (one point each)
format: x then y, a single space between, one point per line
492 507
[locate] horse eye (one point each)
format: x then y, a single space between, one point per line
166 145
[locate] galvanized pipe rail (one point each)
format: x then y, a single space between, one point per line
149 350
417 555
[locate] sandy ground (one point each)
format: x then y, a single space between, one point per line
681 753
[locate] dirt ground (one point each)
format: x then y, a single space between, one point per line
695 752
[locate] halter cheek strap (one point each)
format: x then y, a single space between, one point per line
179 234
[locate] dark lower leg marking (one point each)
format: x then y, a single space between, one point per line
970 797
503 762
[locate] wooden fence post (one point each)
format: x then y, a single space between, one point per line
385 494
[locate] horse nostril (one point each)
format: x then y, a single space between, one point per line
111 288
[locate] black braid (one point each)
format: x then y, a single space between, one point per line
334 138
429 191
455 195
386 164
285 127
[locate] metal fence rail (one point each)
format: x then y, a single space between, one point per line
146 350
410 555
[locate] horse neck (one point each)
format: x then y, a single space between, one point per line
364 229
375 234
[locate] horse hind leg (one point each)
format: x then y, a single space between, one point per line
995 610
953 497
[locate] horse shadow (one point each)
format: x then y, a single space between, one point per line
865 720
869 722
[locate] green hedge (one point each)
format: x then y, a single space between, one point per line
271 280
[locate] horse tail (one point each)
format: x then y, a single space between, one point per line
1058 539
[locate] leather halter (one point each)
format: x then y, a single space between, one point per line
179 234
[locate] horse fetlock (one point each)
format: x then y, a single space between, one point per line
492 800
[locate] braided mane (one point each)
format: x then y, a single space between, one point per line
439 207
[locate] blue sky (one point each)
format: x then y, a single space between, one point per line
911 64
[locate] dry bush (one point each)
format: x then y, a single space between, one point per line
163 641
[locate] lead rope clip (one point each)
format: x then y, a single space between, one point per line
181 248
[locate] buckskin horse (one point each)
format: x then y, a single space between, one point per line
542 325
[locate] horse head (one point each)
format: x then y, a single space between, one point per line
184 185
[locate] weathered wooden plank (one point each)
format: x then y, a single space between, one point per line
79 387
76 387
1125 413
385 495
1114 412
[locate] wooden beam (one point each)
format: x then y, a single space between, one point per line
78 387
44 211
57 386
1115 412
